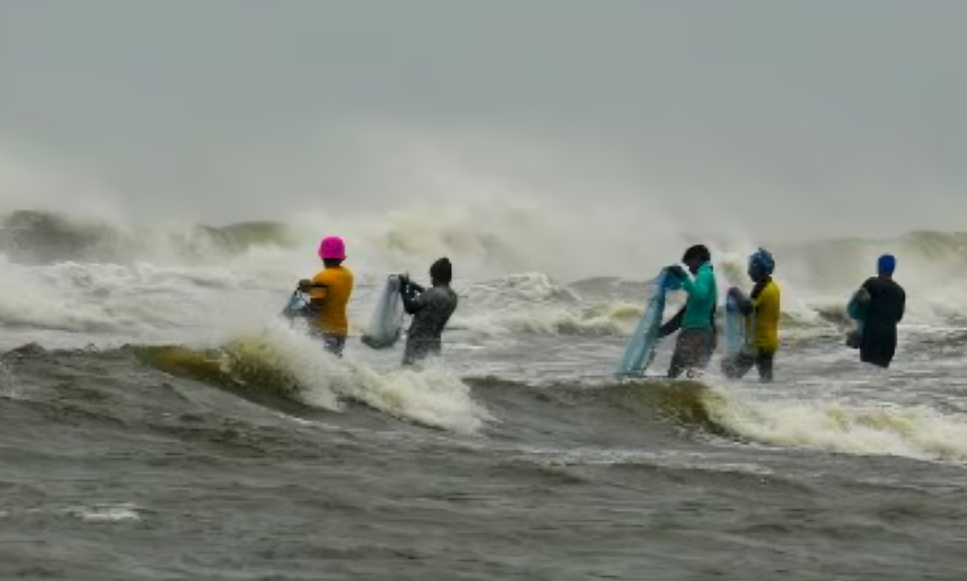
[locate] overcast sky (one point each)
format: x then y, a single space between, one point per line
805 118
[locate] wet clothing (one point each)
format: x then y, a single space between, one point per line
693 351
762 316
882 314
697 340
761 310
431 309
334 344
702 296
300 306
330 292
738 365
675 323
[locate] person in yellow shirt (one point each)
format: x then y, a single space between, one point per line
761 311
329 292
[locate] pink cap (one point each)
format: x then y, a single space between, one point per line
332 247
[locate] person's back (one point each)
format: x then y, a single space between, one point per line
438 304
886 303
766 305
883 312
762 312
431 310
330 290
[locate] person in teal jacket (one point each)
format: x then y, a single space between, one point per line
696 320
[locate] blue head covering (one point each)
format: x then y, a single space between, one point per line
886 264
761 264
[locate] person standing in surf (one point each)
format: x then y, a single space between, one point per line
329 292
882 307
696 341
761 312
431 310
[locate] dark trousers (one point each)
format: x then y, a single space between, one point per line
878 344
738 365
333 343
693 351
418 349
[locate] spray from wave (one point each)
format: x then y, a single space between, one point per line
833 422
285 362
840 424
543 258
81 275
34 237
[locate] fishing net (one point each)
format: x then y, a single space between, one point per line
734 331
640 351
386 323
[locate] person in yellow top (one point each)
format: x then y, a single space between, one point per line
761 311
329 292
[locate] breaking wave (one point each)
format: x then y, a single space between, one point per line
287 363
89 275
36 237
835 423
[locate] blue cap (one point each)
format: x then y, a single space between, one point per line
886 264
763 262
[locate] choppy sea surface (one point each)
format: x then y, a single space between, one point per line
159 422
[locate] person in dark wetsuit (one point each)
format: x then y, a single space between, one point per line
431 309
882 311
697 339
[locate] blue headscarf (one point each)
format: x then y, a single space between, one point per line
886 264
761 264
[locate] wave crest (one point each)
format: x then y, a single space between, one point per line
35 237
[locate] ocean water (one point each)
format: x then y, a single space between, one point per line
158 421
